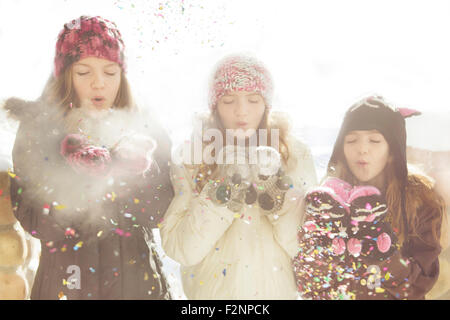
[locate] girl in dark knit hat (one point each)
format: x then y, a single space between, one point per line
91 173
372 229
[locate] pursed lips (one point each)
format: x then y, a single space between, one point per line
362 162
98 100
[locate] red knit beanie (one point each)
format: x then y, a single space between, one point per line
88 37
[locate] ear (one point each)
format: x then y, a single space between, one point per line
406 113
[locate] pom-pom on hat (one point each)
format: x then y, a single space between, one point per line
88 37
240 73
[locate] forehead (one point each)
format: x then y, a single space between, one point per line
95 62
241 93
364 133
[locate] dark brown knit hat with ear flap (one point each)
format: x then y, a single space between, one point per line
375 113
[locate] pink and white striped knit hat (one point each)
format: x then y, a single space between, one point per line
240 73
88 37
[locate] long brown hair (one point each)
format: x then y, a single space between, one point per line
60 93
419 192
269 121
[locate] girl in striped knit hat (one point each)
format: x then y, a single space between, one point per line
232 224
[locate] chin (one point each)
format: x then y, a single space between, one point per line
363 179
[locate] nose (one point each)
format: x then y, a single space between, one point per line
362 148
98 82
241 109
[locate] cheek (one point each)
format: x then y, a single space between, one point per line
383 157
80 88
114 86
258 114
348 151
225 115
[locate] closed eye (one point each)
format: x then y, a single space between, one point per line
82 73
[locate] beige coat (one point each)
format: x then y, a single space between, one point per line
224 255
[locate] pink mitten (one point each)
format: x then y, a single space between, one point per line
319 263
368 210
327 209
85 158
133 155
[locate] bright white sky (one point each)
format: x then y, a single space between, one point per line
324 55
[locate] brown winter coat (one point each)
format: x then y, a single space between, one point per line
412 274
107 236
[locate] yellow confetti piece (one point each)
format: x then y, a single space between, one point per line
63 249
113 196
136 201
379 290
64 282
387 276
12 175
60 207
202 283
363 282
237 215
79 244
99 234
159 225
145 276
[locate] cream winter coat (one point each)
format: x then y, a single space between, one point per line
224 255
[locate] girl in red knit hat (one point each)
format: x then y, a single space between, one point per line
372 229
91 173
